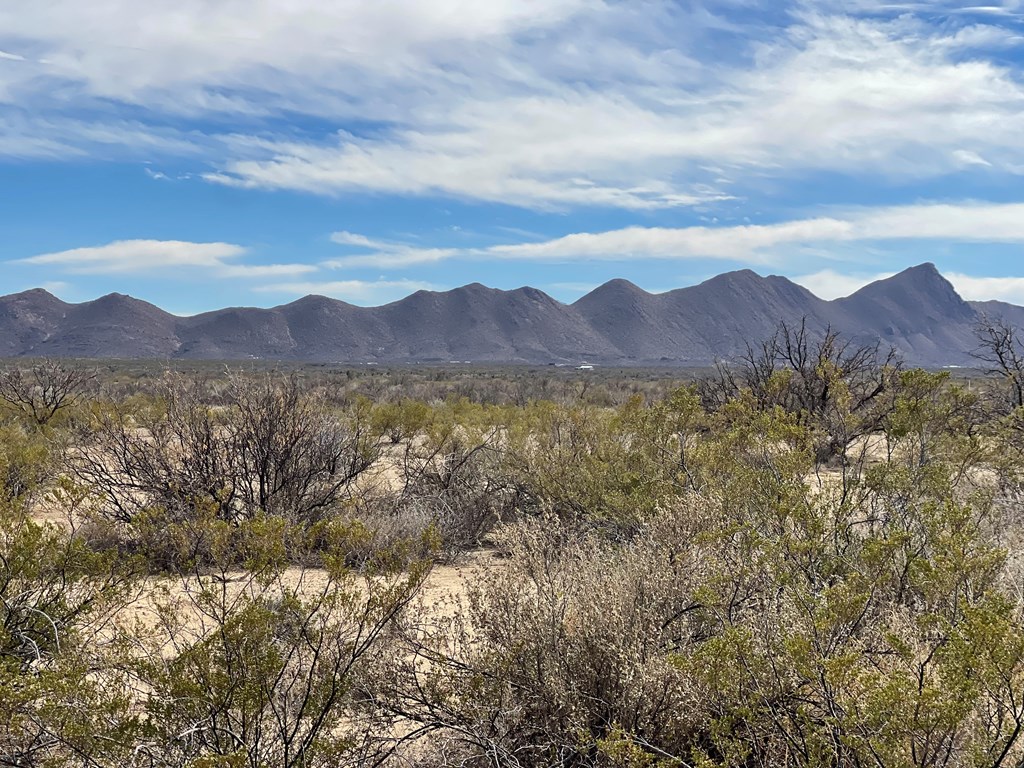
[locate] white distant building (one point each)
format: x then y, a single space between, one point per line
585 367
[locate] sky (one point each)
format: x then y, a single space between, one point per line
208 153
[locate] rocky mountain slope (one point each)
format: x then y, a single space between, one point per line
917 311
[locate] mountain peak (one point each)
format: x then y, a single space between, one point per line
33 295
926 274
473 288
118 298
314 301
618 288
620 283
743 280
918 311
119 305
529 292
737 276
925 269
924 279
741 274
918 300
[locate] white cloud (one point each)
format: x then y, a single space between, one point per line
536 103
350 238
1009 289
983 36
574 288
356 291
35 135
385 254
832 93
425 170
829 284
968 158
56 286
127 256
767 244
230 53
748 243
265 270
964 222
145 256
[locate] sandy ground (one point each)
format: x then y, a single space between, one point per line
440 594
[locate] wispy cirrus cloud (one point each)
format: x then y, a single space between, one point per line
548 105
197 56
858 96
387 254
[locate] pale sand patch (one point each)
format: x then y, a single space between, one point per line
442 591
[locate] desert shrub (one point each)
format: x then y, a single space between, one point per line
935 419
610 467
296 457
751 621
251 662
272 449
840 389
388 524
42 391
402 420
269 665
452 479
58 603
172 454
1000 354
551 653
26 465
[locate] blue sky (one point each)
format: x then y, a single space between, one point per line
205 153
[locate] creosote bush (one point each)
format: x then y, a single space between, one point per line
752 620
232 657
43 391
840 390
272 449
59 600
814 559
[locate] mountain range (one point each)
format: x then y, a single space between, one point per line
917 311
